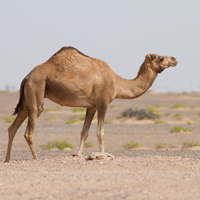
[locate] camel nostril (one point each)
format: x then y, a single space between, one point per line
172 58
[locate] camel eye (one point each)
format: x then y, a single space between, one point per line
161 58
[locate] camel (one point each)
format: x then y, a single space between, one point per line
71 78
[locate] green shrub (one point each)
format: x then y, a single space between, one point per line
160 145
51 118
190 144
177 115
108 122
82 117
56 143
179 105
113 106
71 121
160 121
57 108
178 129
79 109
132 144
88 144
9 119
139 114
46 146
63 144
155 111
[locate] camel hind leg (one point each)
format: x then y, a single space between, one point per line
32 118
22 115
35 107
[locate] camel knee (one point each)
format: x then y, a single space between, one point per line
29 139
100 136
84 135
11 131
39 111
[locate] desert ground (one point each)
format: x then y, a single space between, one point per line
171 171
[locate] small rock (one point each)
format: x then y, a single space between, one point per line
99 156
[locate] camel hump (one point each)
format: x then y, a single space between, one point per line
21 96
64 52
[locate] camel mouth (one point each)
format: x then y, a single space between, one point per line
174 64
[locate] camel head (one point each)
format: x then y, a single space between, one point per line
159 63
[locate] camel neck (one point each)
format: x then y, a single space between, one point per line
130 89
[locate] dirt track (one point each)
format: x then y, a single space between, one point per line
135 174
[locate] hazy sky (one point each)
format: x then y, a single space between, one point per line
118 32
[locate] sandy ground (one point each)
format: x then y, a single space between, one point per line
171 173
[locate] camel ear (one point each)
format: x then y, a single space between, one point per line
150 56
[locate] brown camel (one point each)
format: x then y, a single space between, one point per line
70 78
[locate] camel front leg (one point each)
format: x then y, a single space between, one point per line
100 130
84 133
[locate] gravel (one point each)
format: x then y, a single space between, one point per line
134 174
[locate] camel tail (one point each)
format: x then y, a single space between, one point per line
21 96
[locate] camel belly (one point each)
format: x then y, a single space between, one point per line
78 103
64 101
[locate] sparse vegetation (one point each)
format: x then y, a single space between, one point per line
177 115
71 121
179 105
57 108
199 114
4 91
108 122
79 109
88 144
51 118
9 119
190 144
158 106
178 129
185 93
160 145
139 114
155 111
82 117
113 106
57 144
160 121
131 145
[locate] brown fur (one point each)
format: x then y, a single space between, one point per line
71 78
